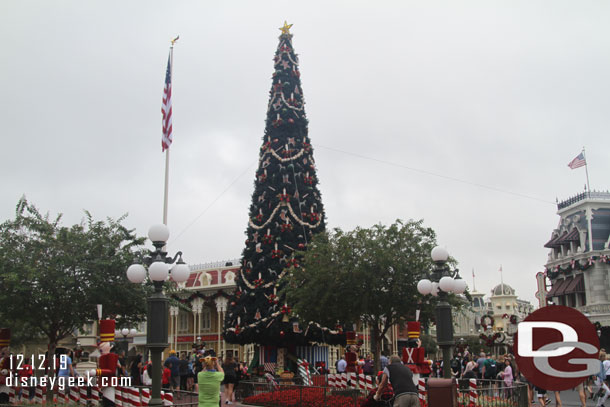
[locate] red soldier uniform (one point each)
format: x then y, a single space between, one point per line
107 362
414 355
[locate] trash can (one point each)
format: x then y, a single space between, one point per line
442 392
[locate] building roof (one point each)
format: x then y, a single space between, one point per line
502 289
557 285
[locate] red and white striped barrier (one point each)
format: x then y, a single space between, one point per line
12 399
168 399
472 391
95 396
365 382
421 389
83 396
352 379
361 382
134 397
74 395
63 395
145 396
343 381
119 401
330 380
38 395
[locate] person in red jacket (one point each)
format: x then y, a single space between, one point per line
167 375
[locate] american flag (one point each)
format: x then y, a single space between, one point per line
579 161
166 107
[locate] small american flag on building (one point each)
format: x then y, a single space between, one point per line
166 108
579 161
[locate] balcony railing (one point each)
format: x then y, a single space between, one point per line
582 196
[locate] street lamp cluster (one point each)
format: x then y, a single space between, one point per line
127 332
446 281
440 283
158 264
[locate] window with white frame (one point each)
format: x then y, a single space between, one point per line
183 322
205 321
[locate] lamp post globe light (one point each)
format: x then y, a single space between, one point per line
158 264
440 283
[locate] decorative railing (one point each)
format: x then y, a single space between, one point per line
582 196
595 309
215 265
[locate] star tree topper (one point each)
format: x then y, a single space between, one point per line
286 28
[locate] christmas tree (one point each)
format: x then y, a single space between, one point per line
286 211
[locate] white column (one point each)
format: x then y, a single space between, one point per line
221 307
173 312
197 306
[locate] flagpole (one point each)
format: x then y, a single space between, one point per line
166 189
501 279
587 173
474 288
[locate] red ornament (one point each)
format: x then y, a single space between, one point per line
232 303
314 217
291 121
282 333
301 246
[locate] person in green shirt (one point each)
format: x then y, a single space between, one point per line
208 382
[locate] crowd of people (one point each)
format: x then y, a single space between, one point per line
182 372
202 372
499 374
496 375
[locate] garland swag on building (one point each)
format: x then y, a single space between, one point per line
286 211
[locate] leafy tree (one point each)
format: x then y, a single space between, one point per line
52 276
367 275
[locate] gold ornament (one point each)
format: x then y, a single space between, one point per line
286 28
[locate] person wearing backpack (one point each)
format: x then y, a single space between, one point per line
490 368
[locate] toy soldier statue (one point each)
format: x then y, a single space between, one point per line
413 356
108 362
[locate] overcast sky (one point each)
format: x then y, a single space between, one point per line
493 97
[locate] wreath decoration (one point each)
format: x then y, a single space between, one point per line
487 321
497 337
513 319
